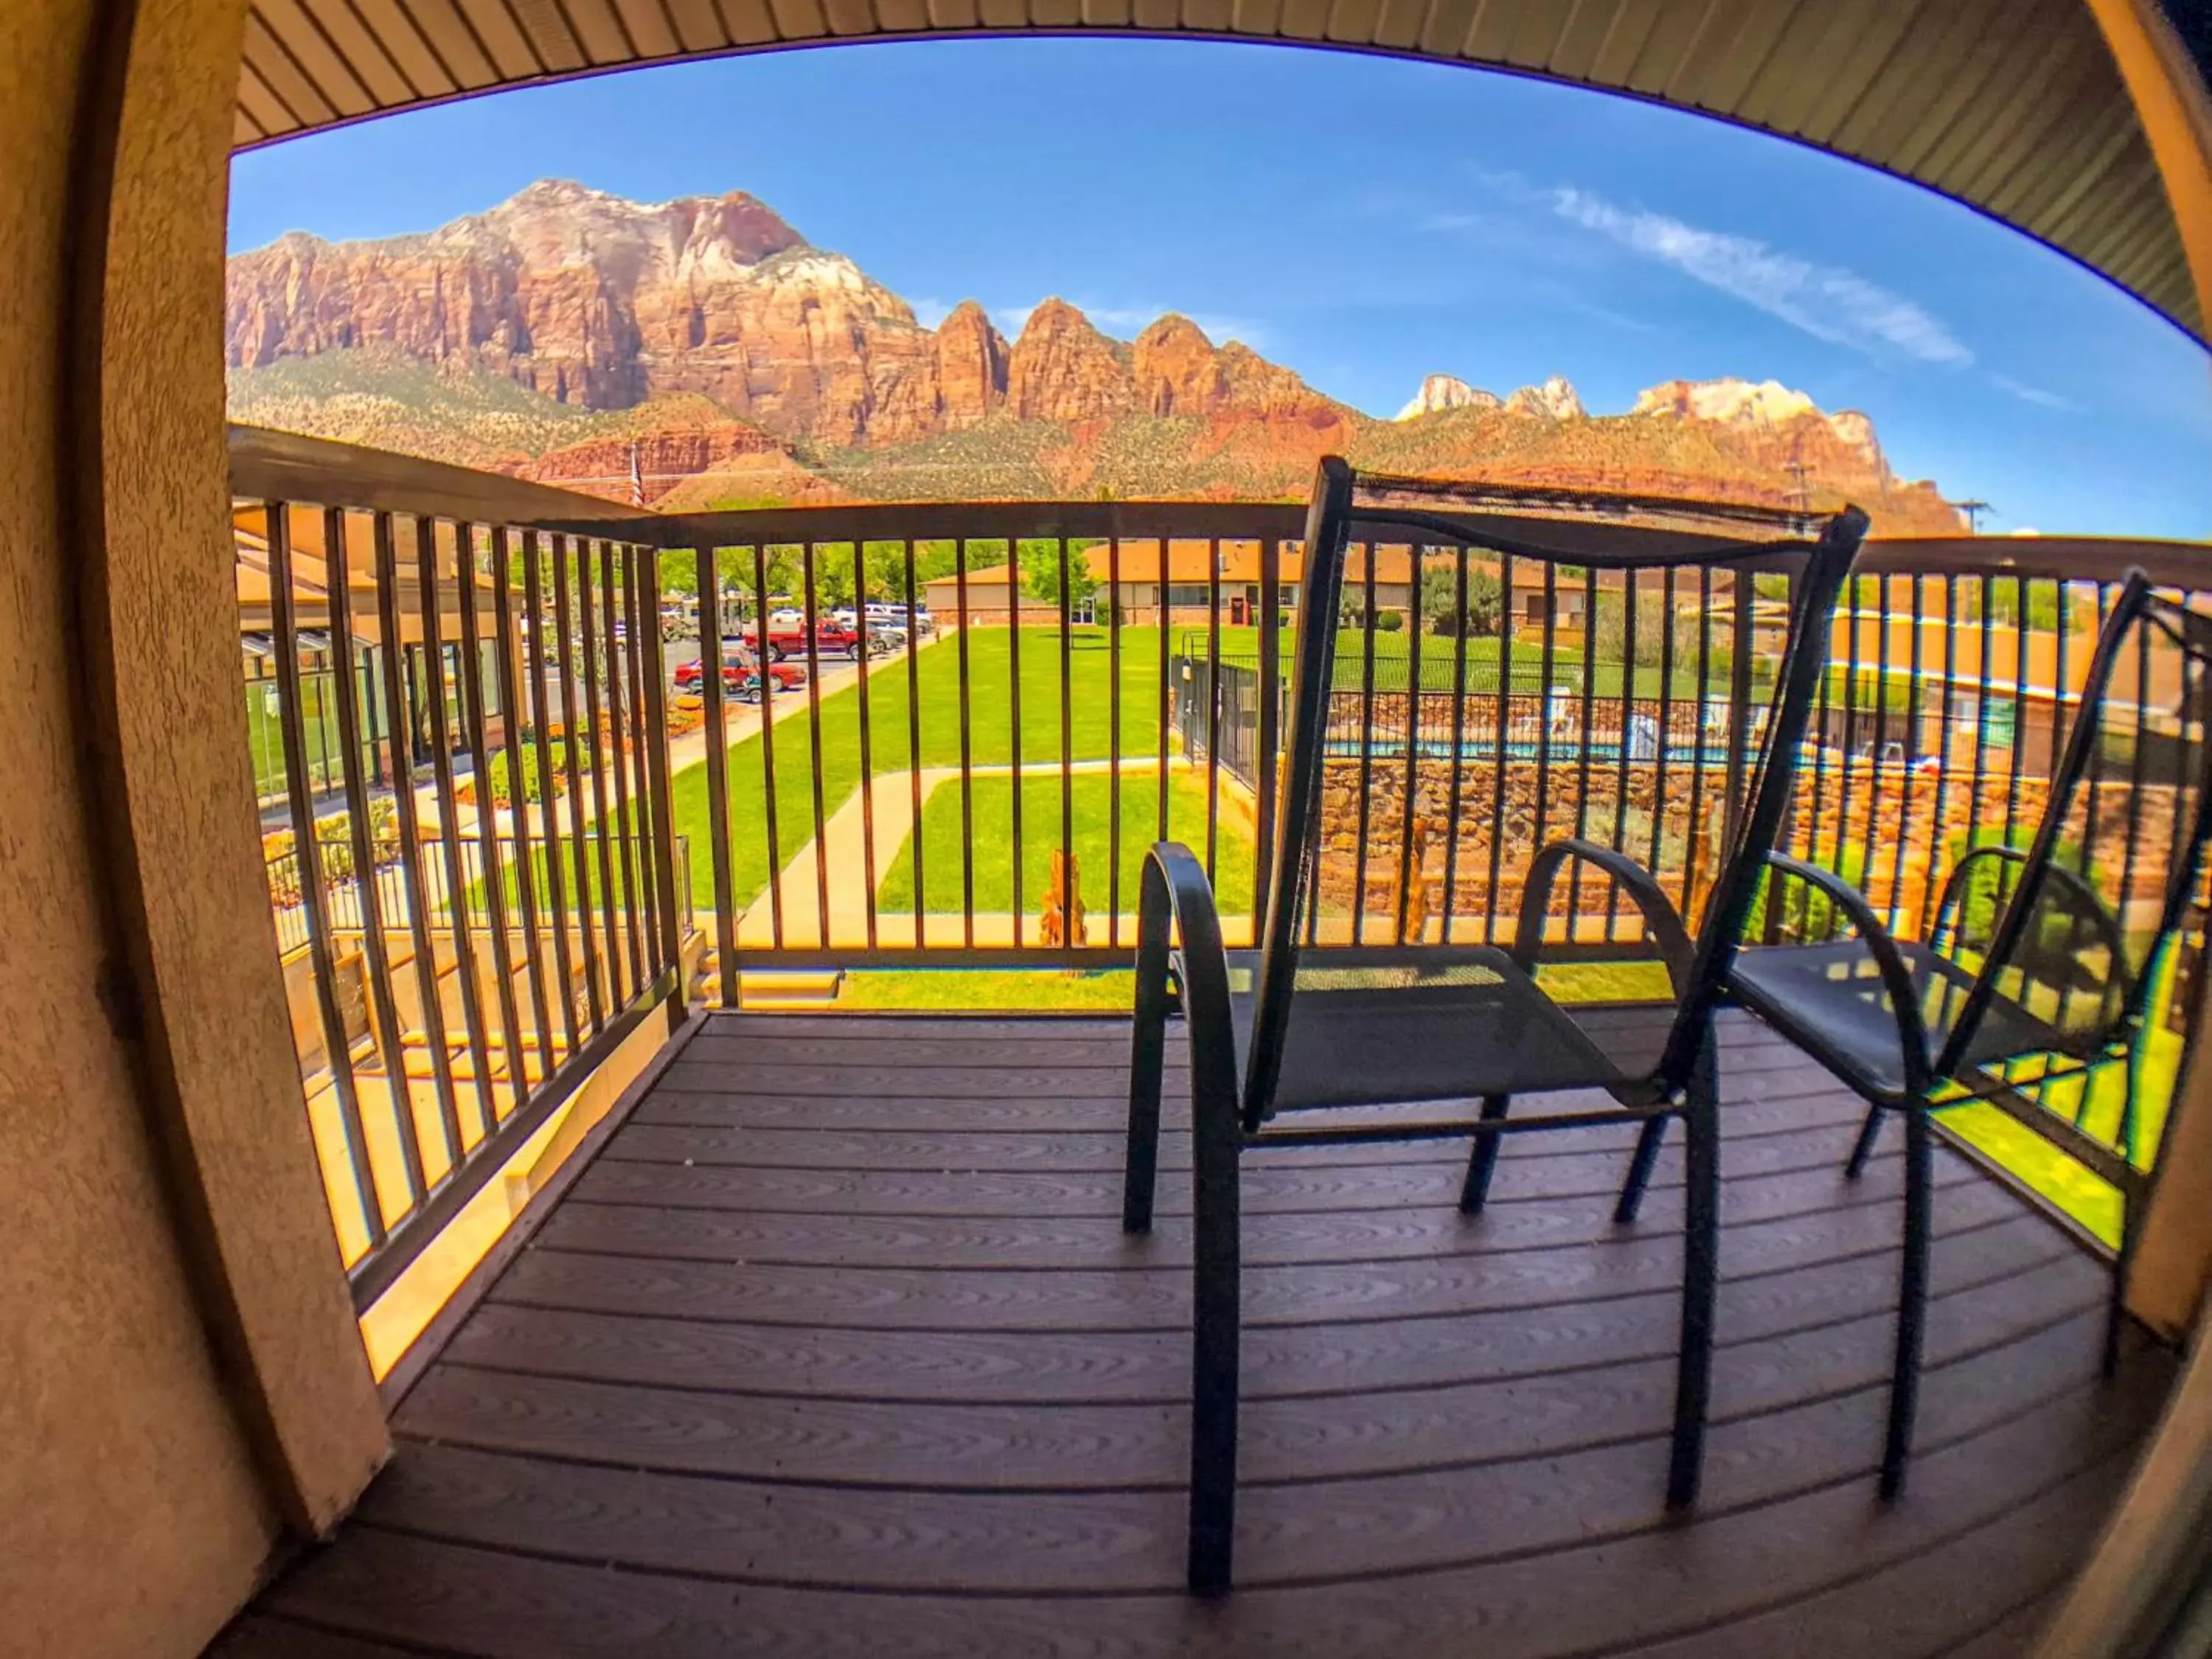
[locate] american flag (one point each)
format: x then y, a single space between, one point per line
636 478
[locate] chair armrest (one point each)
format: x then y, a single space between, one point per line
2095 907
1174 890
1896 975
1660 917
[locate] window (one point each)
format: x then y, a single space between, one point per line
1195 594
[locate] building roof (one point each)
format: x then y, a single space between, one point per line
2015 107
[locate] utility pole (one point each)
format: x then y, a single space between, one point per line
1973 510
1801 492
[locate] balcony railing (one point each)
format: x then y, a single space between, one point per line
969 775
478 883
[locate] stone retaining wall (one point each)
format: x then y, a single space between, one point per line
1859 805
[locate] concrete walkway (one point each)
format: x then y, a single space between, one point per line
842 852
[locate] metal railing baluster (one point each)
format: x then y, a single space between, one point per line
712 693
549 803
1066 742
517 747
967 752
1268 670
1014 720
914 735
491 874
1113 742
449 835
337 1048
772 823
338 587
591 556
615 642
399 738
567 560
867 749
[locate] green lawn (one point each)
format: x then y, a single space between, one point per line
989 990
943 839
937 667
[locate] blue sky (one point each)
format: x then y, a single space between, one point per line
1366 221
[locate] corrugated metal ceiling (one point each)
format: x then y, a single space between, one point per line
2013 107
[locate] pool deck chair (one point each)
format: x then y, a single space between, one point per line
2037 978
1307 1024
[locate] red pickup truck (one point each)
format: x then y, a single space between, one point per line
831 639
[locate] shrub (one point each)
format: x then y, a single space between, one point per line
1389 621
498 772
333 848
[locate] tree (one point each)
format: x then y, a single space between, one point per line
1040 562
679 571
1440 600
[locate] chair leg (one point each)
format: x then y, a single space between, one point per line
1147 1059
1700 1277
2116 1294
1648 1142
1483 1159
1217 1139
2116 1303
1911 1298
1862 1148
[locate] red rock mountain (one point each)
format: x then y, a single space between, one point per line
705 337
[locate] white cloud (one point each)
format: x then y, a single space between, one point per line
1826 301
930 312
2032 394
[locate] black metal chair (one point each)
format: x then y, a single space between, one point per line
2040 963
1304 1027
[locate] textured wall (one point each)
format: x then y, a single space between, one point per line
139 1497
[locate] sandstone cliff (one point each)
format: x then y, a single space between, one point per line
567 332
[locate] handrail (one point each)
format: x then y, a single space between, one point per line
926 521
286 466
268 463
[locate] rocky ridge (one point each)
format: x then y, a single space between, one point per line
708 337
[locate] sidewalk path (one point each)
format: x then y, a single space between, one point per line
842 852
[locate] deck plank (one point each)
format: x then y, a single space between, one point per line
643 1228
1154 1367
1425 1176
1145 1285
837 1349
1107 1447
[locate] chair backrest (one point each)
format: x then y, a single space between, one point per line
1561 718
2072 930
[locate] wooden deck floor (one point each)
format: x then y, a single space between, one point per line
836 1349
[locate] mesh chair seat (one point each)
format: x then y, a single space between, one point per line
1441 1024
1831 1000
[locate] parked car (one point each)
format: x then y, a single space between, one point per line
831 638
741 674
895 615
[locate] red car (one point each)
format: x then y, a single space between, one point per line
741 674
831 639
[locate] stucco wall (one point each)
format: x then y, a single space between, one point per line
142 1487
